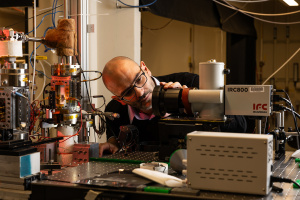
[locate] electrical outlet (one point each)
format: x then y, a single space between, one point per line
90 28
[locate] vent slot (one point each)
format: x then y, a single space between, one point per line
229 151
227 175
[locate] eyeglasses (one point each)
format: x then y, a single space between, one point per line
138 82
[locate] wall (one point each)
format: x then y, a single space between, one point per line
12 18
274 48
117 32
169 49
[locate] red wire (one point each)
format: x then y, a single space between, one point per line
34 110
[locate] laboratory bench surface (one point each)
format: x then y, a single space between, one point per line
77 182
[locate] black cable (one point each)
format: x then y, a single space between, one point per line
293 109
91 79
88 93
283 180
288 109
140 6
44 90
102 126
104 101
89 97
156 29
102 122
87 90
297 184
288 100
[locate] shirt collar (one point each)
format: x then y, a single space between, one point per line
133 113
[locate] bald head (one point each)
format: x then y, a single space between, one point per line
120 75
118 71
116 66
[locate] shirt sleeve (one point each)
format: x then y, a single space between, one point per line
113 126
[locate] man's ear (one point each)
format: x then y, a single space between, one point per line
119 100
145 68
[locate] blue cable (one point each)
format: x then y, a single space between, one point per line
32 64
47 49
142 6
51 27
52 13
41 22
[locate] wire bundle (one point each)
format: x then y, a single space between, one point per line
251 14
102 123
292 110
35 113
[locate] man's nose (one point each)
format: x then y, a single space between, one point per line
139 92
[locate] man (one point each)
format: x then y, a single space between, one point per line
132 86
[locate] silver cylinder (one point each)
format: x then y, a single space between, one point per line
211 75
282 120
13 76
258 126
278 120
20 135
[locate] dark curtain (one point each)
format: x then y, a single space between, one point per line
240 59
204 13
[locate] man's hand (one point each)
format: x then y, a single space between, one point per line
172 85
107 147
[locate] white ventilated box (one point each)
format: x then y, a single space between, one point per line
229 162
